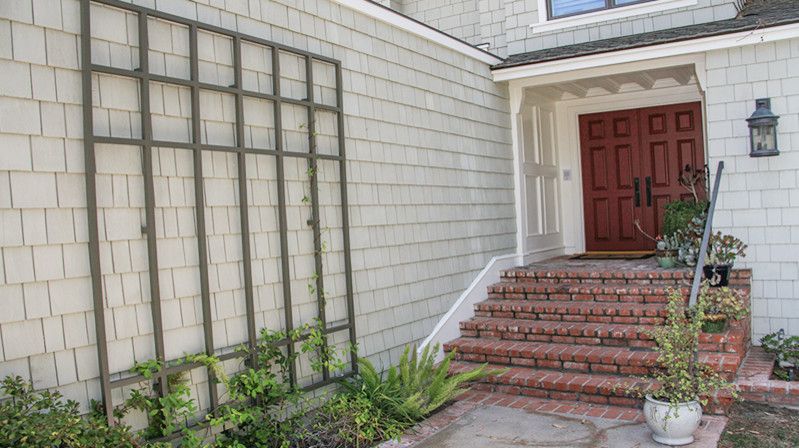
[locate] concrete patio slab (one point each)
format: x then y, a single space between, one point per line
503 427
479 419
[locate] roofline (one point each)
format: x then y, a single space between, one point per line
651 51
411 25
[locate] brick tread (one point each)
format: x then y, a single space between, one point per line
582 330
583 358
574 311
652 293
591 388
585 333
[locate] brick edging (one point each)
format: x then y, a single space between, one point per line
754 381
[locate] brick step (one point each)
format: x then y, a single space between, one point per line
569 292
542 383
553 310
589 333
570 386
577 358
609 272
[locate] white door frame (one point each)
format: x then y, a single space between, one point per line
569 146
571 208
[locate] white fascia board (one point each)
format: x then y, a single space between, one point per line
410 25
649 52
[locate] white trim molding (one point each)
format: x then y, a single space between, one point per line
448 327
649 52
394 18
620 12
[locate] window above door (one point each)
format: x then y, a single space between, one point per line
558 14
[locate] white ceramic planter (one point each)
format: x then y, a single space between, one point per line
672 425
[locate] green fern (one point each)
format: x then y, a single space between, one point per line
416 387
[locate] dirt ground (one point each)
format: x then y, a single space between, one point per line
753 425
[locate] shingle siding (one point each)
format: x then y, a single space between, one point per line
505 24
759 199
430 188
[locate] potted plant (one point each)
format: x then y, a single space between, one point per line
787 351
682 385
722 304
666 248
722 250
666 251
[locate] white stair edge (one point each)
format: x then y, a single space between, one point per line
448 327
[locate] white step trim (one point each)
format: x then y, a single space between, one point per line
448 327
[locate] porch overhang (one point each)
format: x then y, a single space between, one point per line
609 62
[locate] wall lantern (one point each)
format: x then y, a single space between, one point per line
763 130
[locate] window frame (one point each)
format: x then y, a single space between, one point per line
609 5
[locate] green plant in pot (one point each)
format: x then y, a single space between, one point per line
667 251
722 250
786 348
666 247
721 304
673 403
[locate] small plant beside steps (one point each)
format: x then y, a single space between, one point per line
786 349
681 384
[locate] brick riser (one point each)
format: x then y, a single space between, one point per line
582 335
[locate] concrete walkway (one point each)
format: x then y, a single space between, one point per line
502 421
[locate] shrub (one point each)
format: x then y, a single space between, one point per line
44 419
679 376
416 387
678 215
722 302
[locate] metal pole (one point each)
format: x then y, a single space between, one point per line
149 202
90 167
316 221
700 261
199 204
281 211
244 206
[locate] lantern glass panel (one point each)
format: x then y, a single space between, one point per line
763 138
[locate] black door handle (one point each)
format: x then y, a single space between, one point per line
637 185
648 191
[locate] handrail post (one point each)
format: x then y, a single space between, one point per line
700 261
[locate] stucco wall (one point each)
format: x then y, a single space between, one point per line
430 188
759 199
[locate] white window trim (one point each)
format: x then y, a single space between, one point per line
620 12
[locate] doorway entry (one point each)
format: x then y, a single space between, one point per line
631 162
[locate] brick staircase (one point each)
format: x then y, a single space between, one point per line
577 330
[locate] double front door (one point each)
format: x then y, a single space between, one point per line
631 163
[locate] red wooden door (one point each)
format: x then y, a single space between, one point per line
631 161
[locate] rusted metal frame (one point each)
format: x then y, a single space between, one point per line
220 148
280 153
149 230
199 206
212 28
90 168
281 211
700 261
207 86
244 207
316 221
179 368
345 217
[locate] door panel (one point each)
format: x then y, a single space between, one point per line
610 163
677 143
631 162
